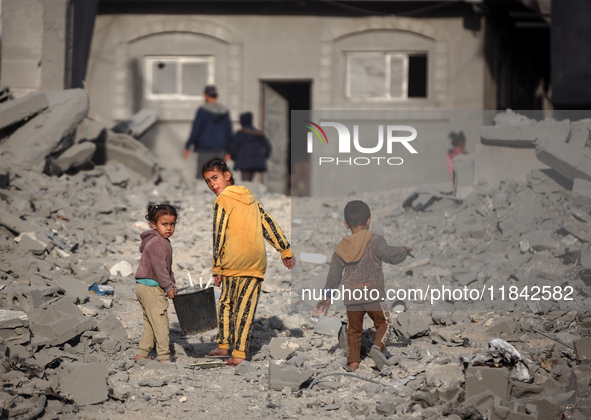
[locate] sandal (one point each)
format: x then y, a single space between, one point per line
214 355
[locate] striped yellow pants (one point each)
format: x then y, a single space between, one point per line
237 305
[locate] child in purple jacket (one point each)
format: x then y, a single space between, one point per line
155 281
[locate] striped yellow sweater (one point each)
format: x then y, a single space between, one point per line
240 225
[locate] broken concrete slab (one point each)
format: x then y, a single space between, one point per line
568 160
50 131
59 321
504 326
117 173
493 164
547 181
117 335
14 327
524 134
138 124
581 194
74 156
128 151
85 383
21 109
482 378
281 376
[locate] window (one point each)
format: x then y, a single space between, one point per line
386 75
178 77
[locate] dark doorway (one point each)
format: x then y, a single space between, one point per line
278 99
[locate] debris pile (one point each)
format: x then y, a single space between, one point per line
71 212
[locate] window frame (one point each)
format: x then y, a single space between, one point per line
387 56
149 61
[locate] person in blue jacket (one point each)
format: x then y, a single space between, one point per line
211 134
250 149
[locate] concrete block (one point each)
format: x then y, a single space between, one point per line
117 173
282 348
14 327
579 133
517 132
411 324
51 130
481 378
568 160
581 194
59 321
75 289
463 175
29 243
281 376
74 156
86 383
328 326
583 348
493 164
21 109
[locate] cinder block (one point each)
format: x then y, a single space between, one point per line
86 383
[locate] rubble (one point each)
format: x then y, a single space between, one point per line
512 358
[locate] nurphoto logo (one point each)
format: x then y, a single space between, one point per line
388 135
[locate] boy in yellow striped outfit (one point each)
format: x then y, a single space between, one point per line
240 226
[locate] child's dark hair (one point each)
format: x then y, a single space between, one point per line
357 213
217 164
157 210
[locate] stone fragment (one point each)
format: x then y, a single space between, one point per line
480 379
21 109
117 333
444 377
282 348
74 156
122 268
59 321
281 376
504 326
117 174
86 383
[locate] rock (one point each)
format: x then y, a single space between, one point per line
86 383
281 376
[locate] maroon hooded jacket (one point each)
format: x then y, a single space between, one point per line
156 260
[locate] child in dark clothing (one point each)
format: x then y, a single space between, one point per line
361 255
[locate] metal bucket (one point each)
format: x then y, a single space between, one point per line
196 311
